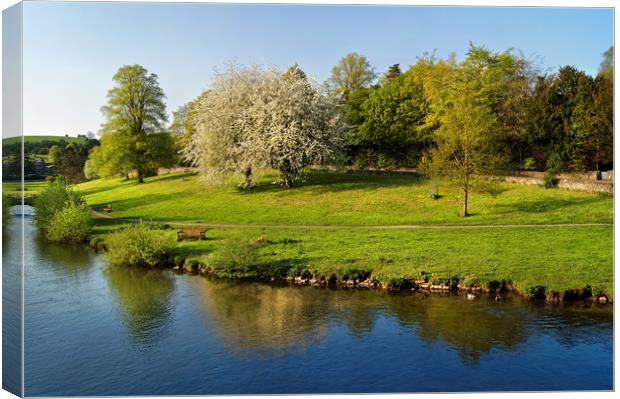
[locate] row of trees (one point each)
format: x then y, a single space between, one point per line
491 111
393 120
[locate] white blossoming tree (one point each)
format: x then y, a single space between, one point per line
254 117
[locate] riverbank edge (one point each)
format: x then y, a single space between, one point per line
498 289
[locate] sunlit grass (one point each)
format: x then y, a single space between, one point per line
342 199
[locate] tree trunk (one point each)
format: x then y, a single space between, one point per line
139 176
248 178
464 211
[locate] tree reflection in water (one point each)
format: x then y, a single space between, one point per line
267 317
143 300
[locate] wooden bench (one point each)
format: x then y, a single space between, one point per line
107 208
196 232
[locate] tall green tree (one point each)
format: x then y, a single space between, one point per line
352 72
135 110
393 119
465 142
559 117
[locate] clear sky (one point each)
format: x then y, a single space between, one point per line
71 50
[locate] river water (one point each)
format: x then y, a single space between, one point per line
94 329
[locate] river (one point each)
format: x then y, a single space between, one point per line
95 329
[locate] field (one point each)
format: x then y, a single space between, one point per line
31 187
342 199
40 139
358 207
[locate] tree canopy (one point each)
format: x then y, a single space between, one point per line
135 112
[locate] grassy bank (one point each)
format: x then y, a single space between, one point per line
342 199
557 258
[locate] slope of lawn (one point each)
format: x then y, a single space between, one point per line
342 199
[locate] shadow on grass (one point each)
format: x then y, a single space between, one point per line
547 204
322 182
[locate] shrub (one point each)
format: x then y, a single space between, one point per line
235 258
137 245
398 283
386 162
70 224
550 181
471 282
529 164
52 199
554 166
350 273
536 291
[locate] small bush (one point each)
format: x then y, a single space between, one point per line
554 166
536 291
297 271
235 258
498 285
550 181
97 243
137 245
471 282
350 273
529 164
386 162
452 282
70 224
399 283
52 199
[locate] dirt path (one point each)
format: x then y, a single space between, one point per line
354 226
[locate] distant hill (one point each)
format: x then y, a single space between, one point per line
41 139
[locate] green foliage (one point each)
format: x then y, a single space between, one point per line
138 245
536 291
392 118
466 140
352 72
353 273
235 257
554 166
134 113
54 198
529 163
71 223
89 170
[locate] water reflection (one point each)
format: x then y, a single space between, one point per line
70 259
266 317
263 317
143 299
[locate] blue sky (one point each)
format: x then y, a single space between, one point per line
71 50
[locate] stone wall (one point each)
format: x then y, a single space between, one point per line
569 183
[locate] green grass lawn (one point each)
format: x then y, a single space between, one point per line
558 258
31 187
342 199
